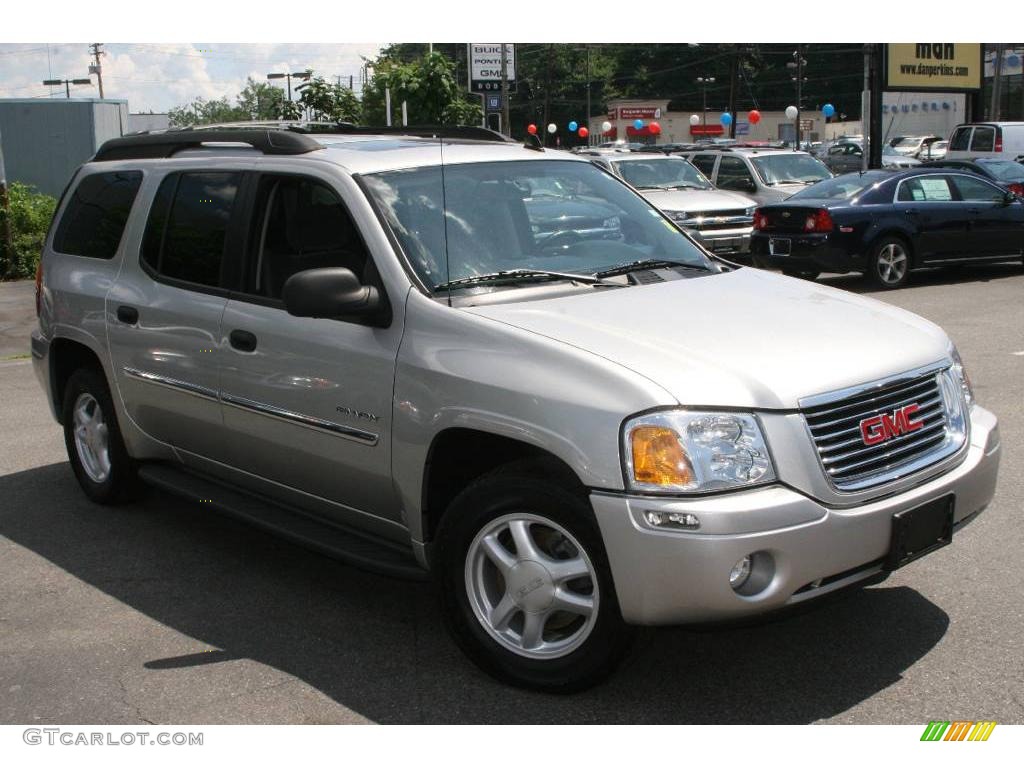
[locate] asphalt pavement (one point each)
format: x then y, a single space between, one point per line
163 612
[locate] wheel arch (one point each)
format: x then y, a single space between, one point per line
892 230
67 355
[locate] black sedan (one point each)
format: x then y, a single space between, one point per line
884 224
1006 173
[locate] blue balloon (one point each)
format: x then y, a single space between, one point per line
828 110
638 123
1013 61
572 126
726 118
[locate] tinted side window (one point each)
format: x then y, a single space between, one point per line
301 224
976 190
705 164
188 226
984 139
96 214
961 139
734 174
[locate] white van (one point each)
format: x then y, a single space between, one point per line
1004 140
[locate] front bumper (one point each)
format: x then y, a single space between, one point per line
664 577
723 242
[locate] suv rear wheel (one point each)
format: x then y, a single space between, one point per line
98 457
525 584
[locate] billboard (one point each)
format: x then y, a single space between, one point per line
949 67
485 67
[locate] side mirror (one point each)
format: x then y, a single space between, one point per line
334 292
750 186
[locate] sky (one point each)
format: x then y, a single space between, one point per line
157 76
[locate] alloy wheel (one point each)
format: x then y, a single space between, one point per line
532 586
891 263
92 438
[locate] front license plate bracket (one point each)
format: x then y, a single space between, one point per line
920 531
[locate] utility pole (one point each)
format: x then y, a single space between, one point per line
97 69
733 68
798 66
704 81
505 127
547 91
865 110
588 93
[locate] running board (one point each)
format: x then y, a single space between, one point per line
339 543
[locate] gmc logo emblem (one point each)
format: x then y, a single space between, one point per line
884 426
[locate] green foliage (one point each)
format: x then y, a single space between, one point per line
331 102
428 86
262 101
30 216
203 112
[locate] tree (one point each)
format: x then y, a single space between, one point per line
262 101
30 215
202 112
332 102
428 86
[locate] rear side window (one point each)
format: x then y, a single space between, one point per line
926 189
705 164
961 139
188 226
984 139
96 214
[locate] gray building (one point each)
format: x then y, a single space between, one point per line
45 140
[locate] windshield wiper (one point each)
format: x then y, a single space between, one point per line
633 266
514 275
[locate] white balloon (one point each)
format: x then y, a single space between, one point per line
605 127
792 112
552 127
694 119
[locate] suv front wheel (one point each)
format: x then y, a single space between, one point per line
525 584
95 449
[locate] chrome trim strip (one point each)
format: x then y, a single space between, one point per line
813 401
171 383
311 422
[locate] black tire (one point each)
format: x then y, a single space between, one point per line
520 489
803 274
120 481
889 263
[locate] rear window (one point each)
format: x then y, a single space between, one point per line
984 139
96 214
1002 170
961 139
188 226
841 187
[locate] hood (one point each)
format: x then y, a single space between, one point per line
696 200
742 339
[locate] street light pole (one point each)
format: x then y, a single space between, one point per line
68 83
703 81
288 77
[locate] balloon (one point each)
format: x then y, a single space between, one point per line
584 132
694 119
638 123
573 126
606 126
726 118
654 128
531 129
792 112
754 117
828 110
552 127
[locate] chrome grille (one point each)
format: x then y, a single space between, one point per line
850 463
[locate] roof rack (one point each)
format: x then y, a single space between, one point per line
268 140
468 132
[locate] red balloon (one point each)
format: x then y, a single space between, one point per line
584 133
531 128
754 116
654 128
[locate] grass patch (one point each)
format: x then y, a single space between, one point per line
23 356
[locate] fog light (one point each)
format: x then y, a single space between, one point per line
683 520
740 573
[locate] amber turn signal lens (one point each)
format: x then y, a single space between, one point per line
658 457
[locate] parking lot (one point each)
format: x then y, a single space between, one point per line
162 612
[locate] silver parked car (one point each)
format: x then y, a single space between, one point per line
721 221
371 342
767 175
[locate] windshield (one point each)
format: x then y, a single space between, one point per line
521 215
841 187
909 141
661 173
1003 170
790 168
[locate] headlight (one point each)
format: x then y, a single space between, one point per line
960 374
694 451
750 211
678 216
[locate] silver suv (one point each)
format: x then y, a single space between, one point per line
766 174
422 354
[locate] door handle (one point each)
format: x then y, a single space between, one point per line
128 315
243 341
975 211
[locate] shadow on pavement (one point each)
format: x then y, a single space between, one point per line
377 646
968 273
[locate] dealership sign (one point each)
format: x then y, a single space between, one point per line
933 66
485 67
642 113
